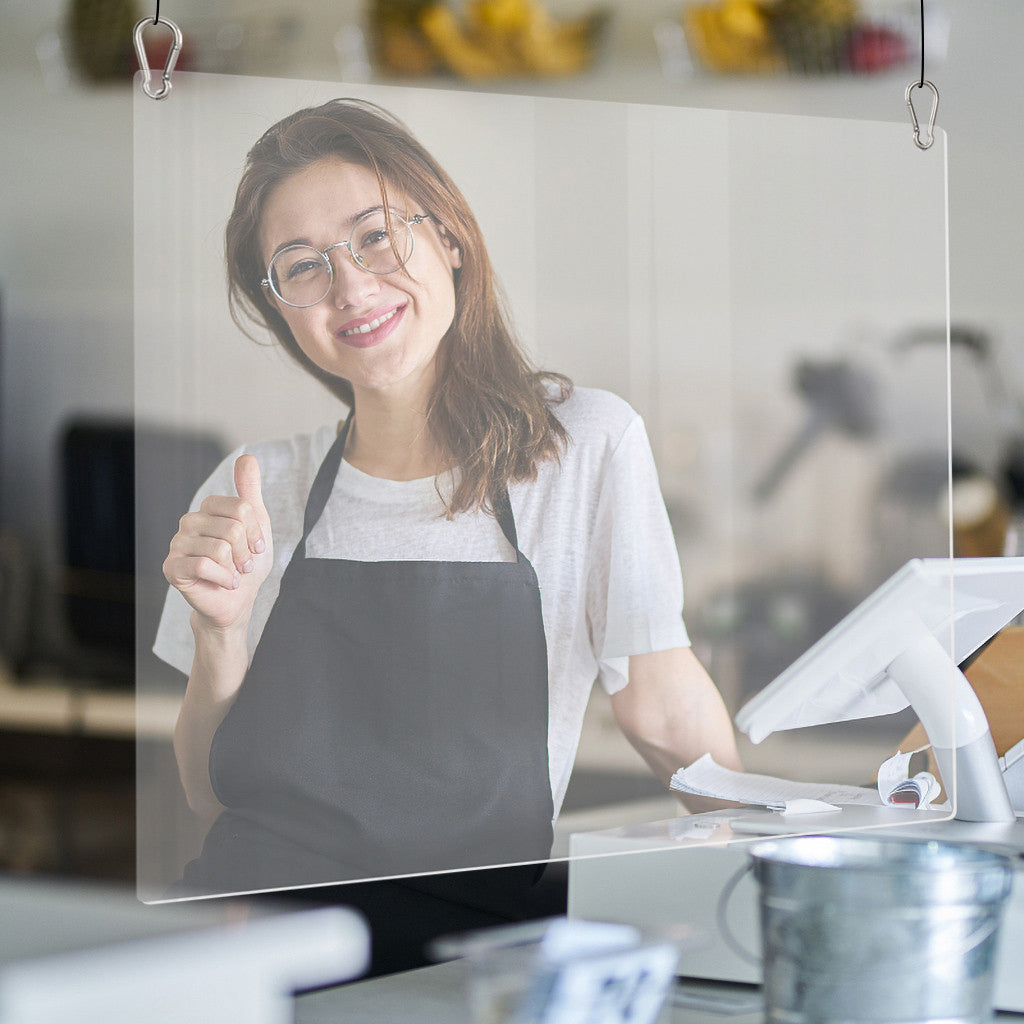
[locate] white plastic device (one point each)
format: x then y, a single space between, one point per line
902 646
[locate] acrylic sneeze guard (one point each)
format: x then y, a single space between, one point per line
769 292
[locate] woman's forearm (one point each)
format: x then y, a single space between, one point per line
672 713
218 668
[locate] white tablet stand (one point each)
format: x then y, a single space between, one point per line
901 646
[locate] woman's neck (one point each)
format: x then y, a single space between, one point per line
391 440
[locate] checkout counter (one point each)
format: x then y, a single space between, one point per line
61 962
92 955
664 872
902 646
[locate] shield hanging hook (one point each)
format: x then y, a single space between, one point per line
922 140
172 57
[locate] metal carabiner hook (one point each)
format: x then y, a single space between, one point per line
172 57
922 143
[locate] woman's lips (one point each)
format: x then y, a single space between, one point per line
372 330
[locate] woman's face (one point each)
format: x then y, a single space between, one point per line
380 332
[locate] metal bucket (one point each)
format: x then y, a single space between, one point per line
859 929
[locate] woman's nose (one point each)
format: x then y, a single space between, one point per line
352 285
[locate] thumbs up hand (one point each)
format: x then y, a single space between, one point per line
223 552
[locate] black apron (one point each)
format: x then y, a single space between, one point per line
393 721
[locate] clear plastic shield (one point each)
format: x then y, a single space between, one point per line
767 293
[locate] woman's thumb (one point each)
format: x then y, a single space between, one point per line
247 481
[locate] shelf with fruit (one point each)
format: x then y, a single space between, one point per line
491 39
795 36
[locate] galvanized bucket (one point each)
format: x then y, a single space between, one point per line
858 929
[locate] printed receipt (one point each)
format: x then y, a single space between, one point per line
706 778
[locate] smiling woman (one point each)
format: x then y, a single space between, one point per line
487 407
391 626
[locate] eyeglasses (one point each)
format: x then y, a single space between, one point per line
380 242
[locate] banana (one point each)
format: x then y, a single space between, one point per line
492 24
461 53
730 36
504 16
502 37
745 19
546 50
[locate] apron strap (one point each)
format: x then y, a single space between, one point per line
323 483
507 522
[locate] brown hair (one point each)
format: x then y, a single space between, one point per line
491 411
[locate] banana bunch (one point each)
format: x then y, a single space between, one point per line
732 35
770 35
508 37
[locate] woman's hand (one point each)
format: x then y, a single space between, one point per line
223 552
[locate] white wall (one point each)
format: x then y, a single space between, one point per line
66 205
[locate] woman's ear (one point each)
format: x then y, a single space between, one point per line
273 300
454 252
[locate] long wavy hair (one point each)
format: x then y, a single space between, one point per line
491 412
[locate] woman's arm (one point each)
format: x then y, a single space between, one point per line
672 713
218 560
218 670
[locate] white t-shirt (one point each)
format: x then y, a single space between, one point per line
593 525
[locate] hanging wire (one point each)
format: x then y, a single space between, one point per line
921 84
922 139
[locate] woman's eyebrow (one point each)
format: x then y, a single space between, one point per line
378 208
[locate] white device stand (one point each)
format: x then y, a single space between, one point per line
901 645
962 741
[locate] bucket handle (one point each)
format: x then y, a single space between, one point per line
724 897
977 937
972 941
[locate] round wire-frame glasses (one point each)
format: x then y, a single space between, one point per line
380 242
